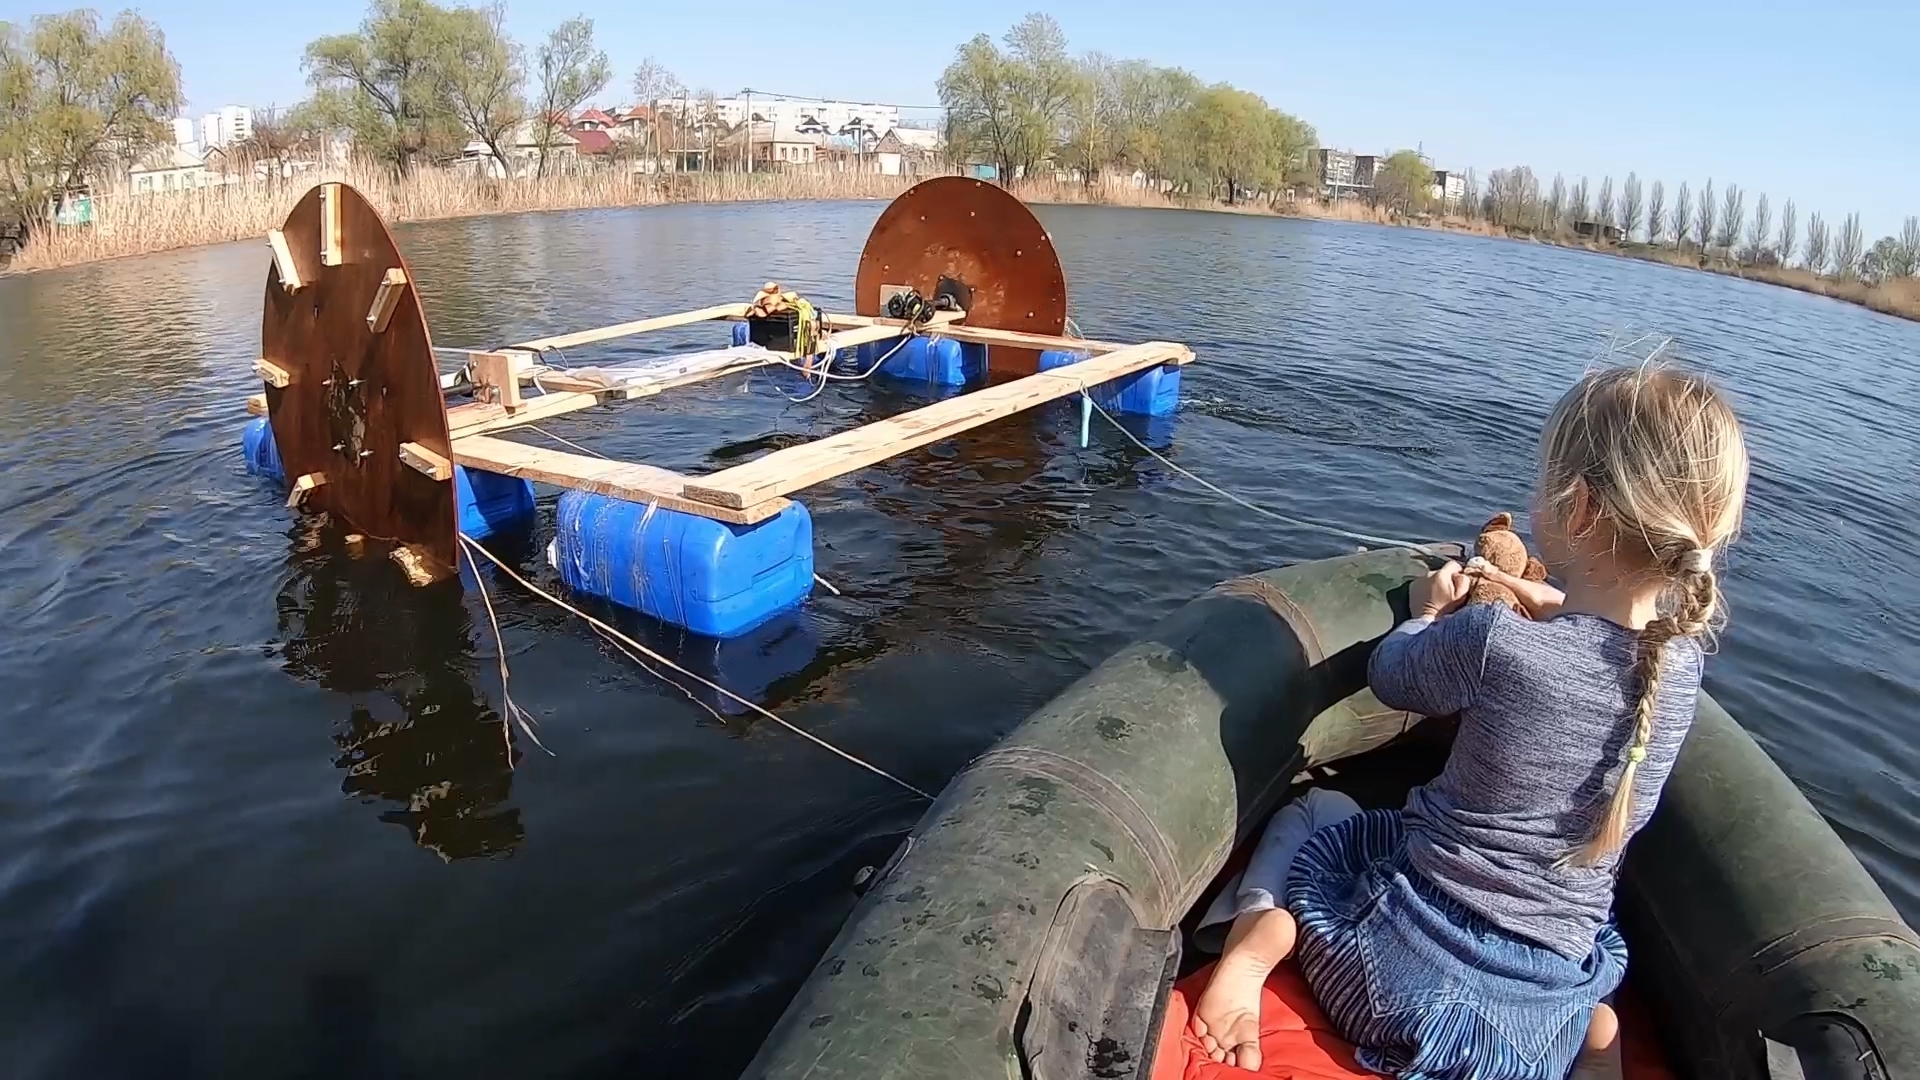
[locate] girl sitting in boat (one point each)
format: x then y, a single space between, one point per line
1469 936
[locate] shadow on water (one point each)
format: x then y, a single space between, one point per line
419 736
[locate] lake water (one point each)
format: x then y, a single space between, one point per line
257 817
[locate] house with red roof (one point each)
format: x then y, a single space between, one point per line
593 120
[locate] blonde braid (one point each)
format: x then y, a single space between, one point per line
1698 601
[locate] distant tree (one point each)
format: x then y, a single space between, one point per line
1401 183
1603 205
1703 219
382 81
1555 209
1910 245
1732 215
571 71
1886 260
1682 220
272 142
1513 198
1656 213
1578 209
1470 196
481 76
1090 131
652 85
75 100
1817 252
1760 230
1630 207
1789 239
1848 248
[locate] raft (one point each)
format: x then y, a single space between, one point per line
1034 924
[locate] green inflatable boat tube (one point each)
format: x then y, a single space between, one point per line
1029 926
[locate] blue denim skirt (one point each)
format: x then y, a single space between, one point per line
1424 987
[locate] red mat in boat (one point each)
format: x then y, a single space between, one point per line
1297 1043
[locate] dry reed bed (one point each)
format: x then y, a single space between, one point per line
126 224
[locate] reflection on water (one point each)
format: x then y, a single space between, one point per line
418 736
216 719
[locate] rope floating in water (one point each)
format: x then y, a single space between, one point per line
614 633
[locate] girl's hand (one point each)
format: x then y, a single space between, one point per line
1438 591
1541 600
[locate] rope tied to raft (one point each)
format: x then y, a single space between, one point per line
607 630
1300 523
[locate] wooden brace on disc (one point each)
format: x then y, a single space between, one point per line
283 261
386 299
303 486
330 225
272 374
426 461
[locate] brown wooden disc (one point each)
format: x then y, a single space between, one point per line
977 234
355 394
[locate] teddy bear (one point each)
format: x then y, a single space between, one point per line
1501 547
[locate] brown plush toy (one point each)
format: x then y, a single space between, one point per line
1500 546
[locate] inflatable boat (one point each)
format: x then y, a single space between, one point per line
1034 924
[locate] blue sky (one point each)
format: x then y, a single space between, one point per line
1818 102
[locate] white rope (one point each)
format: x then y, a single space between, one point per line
1364 538
613 632
511 709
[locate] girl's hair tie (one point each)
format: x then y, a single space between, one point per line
1697 561
1637 754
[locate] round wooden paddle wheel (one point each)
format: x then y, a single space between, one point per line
351 378
974 240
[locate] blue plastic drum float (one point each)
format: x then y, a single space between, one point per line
958 288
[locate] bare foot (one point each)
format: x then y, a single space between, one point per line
1600 1056
1227 1018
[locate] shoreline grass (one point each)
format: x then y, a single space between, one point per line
128 225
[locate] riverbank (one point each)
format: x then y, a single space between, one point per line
127 225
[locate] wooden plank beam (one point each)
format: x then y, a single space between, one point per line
985 336
385 299
786 471
485 417
283 261
426 461
272 374
639 326
568 395
330 225
560 380
621 479
256 405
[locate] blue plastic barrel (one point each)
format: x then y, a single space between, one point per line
936 361
263 456
712 578
490 504
1153 392
740 332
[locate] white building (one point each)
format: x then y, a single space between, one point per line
232 124
182 131
825 117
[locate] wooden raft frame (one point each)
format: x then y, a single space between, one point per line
742 494
756 490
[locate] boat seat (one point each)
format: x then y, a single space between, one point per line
1298 1043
